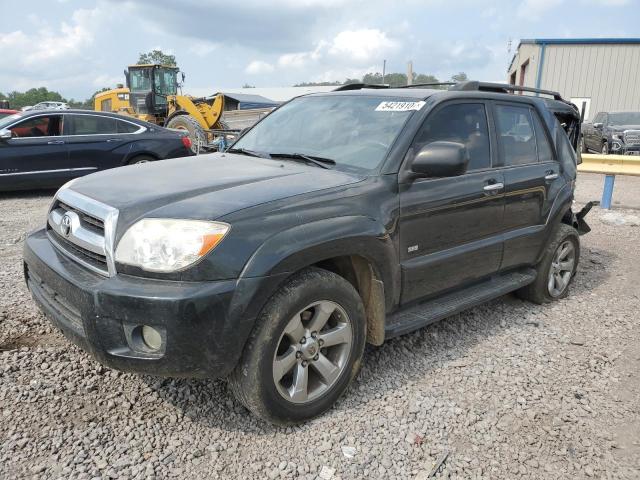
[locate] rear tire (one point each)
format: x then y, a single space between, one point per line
284 379
140 159
192 127
557 268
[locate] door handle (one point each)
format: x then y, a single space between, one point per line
551 176
113 140
493 186
55 142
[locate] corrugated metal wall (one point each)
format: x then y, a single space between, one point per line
526 52
609 74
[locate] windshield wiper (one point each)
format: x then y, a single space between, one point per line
319 161
251 153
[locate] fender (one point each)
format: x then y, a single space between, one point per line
560 209
304 245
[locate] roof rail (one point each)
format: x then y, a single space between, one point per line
360 86
430 84
502 88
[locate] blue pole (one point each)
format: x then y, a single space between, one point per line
607 193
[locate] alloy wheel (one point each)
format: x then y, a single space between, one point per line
561 269
312 352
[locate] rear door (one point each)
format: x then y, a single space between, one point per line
36 155
96 142
450 227
533 179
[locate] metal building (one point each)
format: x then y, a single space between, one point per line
597 74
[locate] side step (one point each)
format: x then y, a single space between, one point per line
422 314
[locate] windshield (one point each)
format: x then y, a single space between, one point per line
165 81
354 131
140 79
8 120
624 118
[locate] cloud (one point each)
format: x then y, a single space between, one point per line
257 67
202 49
534 9
363 45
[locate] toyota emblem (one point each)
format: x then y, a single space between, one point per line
65 224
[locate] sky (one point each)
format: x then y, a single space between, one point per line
79 46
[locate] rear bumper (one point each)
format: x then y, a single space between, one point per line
202 324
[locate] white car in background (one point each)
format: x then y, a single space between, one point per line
48 106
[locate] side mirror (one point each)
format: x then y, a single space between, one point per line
5 134
597 125
441 159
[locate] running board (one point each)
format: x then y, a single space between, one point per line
418 316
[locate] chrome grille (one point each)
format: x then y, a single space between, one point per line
82 229
632 137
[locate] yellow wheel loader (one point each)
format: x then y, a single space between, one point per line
152 95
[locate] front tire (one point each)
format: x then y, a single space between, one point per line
556 270
195 131
605 148
305 350
583 146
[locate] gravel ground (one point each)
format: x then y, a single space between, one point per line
509 390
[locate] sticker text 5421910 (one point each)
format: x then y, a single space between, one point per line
399 106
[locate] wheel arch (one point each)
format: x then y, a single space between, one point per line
355 247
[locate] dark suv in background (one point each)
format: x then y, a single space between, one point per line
341 218
612 132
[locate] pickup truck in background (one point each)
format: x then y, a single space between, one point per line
612 132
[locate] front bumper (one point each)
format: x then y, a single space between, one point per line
203 325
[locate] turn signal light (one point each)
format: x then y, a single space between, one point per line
186 141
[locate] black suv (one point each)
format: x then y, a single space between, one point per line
614 132
341 218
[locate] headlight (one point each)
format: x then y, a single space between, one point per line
616 136
167 245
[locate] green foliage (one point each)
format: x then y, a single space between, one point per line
157 56
17 100
318 84
392 79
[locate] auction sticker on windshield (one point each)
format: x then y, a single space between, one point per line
399 106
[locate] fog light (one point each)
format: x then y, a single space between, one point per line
151 337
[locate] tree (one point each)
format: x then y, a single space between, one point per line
246 85
459 77
157 56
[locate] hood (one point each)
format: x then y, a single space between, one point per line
622 128
205 186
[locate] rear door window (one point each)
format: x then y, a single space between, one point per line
92 125
126 127
464 123
516 135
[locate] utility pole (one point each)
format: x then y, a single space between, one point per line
384 68
410 73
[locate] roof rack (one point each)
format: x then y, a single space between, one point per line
431 84
360 86
502 88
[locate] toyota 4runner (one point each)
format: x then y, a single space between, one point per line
340 219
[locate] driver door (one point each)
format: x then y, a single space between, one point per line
36 155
